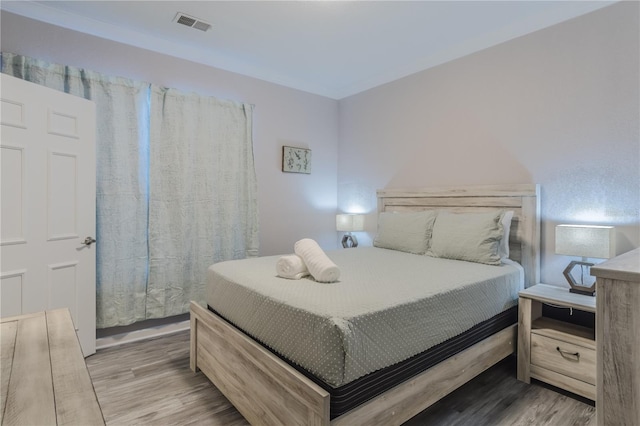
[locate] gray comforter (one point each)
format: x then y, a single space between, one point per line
387 306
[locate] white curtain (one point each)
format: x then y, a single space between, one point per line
193 155
203 196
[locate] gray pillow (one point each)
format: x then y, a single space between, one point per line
474 237
409 232
506 231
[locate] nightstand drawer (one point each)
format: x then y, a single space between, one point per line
565 358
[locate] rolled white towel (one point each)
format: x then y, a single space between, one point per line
292 267
320 266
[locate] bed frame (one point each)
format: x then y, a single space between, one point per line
268 391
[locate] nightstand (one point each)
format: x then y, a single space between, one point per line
553 351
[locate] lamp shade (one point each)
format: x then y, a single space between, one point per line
350 222
586 241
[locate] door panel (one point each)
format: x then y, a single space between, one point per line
11 296
48 204
13 194
62 194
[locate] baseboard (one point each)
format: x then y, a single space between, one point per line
142 334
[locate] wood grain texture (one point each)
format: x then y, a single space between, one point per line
7 345
625 267
530 238
401 403
150 382
560 296
30 391
259 383
540 338
620 351
567 332
565 382
618 339
463 191
496 398
528 311
600 302
193 343
45 379
545 354
76 402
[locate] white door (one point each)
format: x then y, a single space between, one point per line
48 184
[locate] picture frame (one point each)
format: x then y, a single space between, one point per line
296 160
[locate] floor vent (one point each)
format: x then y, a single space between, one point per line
192 22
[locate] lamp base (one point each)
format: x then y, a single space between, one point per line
349 241
575 287
585 292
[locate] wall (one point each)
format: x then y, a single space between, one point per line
558 107
292 206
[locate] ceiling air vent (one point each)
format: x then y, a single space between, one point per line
190 21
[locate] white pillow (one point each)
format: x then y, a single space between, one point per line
409 232
506 230
474 237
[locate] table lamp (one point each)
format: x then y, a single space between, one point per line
586 241
349 223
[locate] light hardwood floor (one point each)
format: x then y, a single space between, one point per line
149 382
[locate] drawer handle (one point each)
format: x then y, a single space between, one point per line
571 356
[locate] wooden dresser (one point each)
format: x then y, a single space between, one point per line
618 340
44 378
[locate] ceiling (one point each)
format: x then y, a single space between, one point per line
330 48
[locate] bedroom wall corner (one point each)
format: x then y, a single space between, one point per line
559 107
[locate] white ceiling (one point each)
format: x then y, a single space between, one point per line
331 48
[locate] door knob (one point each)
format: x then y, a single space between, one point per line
88 241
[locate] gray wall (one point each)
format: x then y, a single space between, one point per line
558 107
292 206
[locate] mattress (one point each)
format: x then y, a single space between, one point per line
387 307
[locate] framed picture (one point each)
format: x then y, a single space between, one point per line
296 160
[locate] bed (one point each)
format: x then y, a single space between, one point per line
269 384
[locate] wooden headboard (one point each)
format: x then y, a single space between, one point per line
523 199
